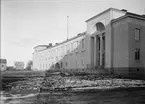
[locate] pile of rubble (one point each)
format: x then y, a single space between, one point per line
26 86
65 82
74 82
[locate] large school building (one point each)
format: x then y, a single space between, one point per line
114 40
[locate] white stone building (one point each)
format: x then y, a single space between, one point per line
114 40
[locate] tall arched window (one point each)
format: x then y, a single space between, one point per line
100 26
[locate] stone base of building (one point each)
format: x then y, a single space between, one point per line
128 71
122 71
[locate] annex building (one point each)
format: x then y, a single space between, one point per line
3 64
114 40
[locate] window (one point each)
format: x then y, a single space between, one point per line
66 64
82 62
43 65
71 47
77 46
52 65
61 51
77 43
68 48
98 40
137 54
83 43
137 34
77 63
74 46
66 56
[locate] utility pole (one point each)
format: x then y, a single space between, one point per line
67 26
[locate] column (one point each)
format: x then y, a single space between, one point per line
103 54
95 51
101 49
98 50
92 52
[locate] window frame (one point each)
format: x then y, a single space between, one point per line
137 54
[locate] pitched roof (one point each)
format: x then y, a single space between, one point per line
41 46
79 35
103 13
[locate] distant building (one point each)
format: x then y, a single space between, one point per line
18 65
3 64
10 68
114 40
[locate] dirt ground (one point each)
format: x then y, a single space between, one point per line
66 82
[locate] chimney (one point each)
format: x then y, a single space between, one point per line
79 34
50 45
124 10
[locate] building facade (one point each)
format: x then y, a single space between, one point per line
3 64
114 40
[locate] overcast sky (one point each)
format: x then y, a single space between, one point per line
27 23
